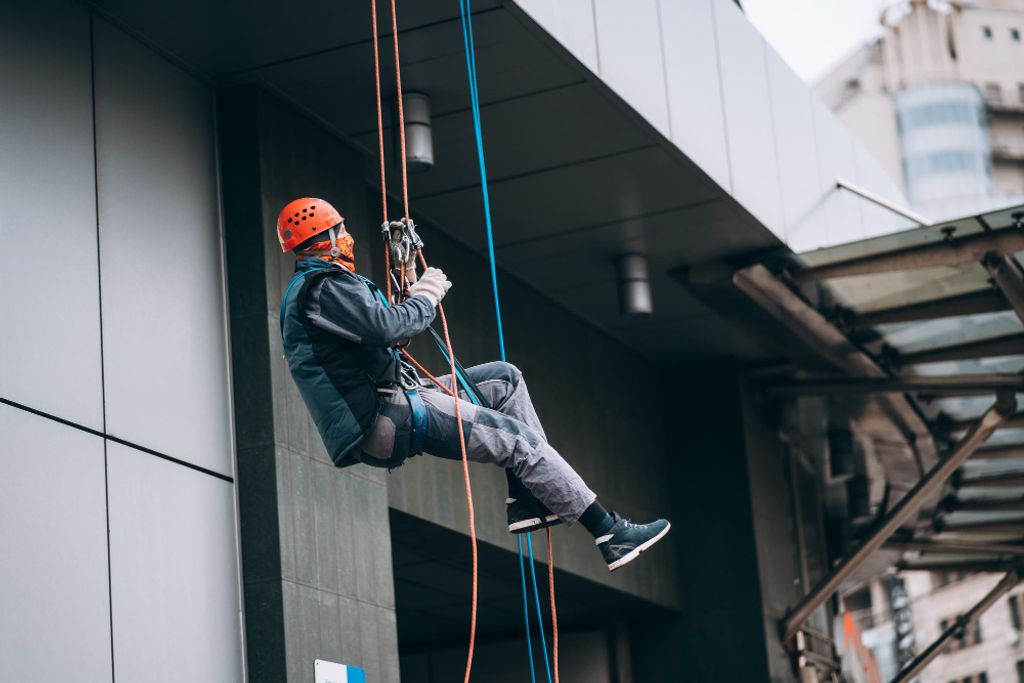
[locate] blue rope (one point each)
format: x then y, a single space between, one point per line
465 14
467 40
536 599
526 610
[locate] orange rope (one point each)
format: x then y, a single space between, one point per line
380 146
440 309
554 614
401 111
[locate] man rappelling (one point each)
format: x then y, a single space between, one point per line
341 337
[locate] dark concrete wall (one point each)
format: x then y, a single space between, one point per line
316 553
719 636
741 566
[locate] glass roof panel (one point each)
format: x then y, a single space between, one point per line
970 225
907 238
865 293
966 407
928 334
1004 437
981 468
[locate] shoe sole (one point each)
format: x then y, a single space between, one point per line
635 552
532 524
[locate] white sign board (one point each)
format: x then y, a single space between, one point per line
329 672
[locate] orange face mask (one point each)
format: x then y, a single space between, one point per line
343 254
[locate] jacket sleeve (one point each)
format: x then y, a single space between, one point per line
344 306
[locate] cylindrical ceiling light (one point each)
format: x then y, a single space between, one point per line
634 286
419 141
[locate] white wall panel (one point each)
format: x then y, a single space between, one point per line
49 308
751 138
163 316
836 160
793 119
571 21
629 53
694 87
173 572
55 611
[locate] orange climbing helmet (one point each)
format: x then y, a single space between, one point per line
303 218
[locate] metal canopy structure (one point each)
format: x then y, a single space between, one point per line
926 323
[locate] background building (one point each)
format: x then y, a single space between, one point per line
938 100
167 511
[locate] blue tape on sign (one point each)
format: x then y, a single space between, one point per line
332 672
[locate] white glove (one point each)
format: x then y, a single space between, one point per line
433 284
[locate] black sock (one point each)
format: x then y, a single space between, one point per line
596 520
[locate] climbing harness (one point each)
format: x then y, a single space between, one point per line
406 226
419 421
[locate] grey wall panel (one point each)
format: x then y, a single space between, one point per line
694 94
572 22
53 562
173 571
793 120
629 54
751 139
836 160
163 312
48 270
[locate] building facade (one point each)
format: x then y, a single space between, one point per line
938 99
168 511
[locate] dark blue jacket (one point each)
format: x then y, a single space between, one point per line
339 338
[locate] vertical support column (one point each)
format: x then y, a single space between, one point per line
316 544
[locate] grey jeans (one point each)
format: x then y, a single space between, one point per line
510 435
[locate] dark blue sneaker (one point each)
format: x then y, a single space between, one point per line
529 514
625 541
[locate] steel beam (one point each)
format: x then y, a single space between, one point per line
814 330
901 512
843 184
959 385
1008 277
1005 345
957 250
1008 526
956 547
1004 452
1011 579
984 505
995 481
979 566
1015 421
982 301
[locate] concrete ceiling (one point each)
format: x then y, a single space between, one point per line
576 176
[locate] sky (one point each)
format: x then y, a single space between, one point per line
813 35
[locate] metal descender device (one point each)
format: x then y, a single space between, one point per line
403 243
